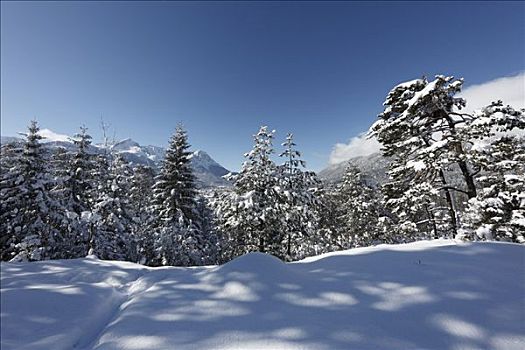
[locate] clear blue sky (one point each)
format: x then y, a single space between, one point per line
318 69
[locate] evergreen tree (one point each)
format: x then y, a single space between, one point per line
332 226
11 198
179 238
142 181
250 215
81 181
32 216
419 130
299 202
498 212
110 236
423 129
361 210
175 188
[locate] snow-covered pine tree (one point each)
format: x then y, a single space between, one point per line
110 222
179 240
361 210
32 215
142 181
332 227
498 212
11 198
419 130
250 216
175 188
231 224
81 181
210 249
299 202
72 242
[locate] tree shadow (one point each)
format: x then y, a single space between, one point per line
445 297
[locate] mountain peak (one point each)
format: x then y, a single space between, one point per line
200 154
125 145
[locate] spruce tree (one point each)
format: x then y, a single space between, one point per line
11 198
81 179
250 215
110 236
32 214
140 194
498 212
361 210
299 203
175 189
178 238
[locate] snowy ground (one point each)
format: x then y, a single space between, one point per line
425 295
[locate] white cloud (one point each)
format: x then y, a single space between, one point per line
511 90
357 146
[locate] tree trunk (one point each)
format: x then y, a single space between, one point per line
433 222
289 246
261 244
458 148
450 202
469 179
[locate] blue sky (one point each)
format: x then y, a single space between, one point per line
318 69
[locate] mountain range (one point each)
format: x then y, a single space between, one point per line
373 167
209 173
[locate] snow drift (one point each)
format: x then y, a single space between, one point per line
425 295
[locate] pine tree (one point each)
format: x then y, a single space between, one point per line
498 212
111 221
142 181
81 179
419 129
299 202
31 213
73 231
423 129
178 228
362 211
332 226
175 188
11 198
210 249
250 216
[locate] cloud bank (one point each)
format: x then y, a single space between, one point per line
511 90
356 147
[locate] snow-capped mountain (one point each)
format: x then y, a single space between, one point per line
209 173
134 153
373 167
207 170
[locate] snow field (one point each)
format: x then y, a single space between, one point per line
425 295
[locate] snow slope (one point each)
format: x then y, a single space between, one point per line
425 295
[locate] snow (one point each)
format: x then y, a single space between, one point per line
408 84
438 294
417 165
51 136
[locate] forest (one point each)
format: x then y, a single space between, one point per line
451 175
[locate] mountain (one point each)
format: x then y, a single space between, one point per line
373 167
134 153
208 172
